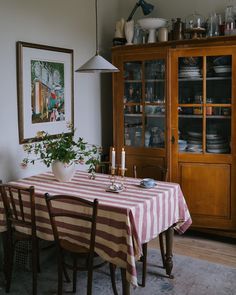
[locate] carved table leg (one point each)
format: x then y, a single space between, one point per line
169 245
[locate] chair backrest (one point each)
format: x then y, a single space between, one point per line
17 201
105 165
157 172
81 210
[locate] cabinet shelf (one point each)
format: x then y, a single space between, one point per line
154 80
133 81
155 115
201 79
208 117
147 115
133 115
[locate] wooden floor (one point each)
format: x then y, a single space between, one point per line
213 249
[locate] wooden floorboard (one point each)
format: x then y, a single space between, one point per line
213 249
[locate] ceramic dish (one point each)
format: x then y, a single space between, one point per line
222 69
218 151
114 188
195 134
147 187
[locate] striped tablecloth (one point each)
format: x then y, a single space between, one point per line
125 221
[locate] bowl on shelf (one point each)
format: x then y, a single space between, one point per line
222 69
152 24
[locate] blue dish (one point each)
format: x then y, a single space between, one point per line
147 183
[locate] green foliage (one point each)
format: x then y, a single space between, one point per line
63 148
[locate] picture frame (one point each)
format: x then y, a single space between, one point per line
45 89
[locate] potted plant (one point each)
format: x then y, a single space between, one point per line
62 152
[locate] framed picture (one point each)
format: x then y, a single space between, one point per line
45 83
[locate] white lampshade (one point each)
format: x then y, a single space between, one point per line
97 64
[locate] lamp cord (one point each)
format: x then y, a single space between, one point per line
96 12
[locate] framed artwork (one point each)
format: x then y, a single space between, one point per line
45 83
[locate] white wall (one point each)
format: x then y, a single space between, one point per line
61 23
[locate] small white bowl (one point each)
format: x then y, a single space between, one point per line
150 23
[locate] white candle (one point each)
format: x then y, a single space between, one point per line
123 159
113 158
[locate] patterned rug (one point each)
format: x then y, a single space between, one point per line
191 277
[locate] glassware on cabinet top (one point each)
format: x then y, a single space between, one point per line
229 21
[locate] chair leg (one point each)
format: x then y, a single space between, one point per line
35 264
74 274
144 262
66 274
90 279
162 249
113 279
38 260
60 275
8 261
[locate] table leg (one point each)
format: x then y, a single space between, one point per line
125 283
169 246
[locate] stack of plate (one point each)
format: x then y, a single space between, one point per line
216 144
223 70
194 142
189 72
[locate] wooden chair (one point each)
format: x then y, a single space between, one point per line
159 173
105 165
14 198
64 246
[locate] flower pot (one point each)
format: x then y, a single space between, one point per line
63 172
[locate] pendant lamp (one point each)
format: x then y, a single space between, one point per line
97 64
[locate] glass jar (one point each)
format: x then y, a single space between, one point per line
138 138
194 21
229 21
209 108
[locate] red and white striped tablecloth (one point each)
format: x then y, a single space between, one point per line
125 220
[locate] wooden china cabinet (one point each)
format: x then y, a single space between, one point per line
174 105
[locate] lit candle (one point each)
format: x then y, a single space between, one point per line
113 158
123 159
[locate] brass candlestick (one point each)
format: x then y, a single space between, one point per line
122 175
113 176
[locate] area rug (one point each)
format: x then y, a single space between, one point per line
191 277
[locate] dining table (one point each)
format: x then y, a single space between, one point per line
125 220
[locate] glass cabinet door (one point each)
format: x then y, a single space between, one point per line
204 104
144 103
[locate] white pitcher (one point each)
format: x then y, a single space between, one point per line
129 32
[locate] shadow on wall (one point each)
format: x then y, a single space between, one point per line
106 112
8 164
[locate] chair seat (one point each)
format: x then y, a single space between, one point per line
21 236
66 245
